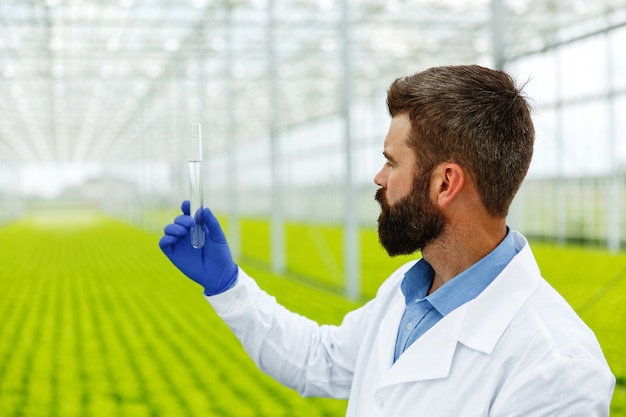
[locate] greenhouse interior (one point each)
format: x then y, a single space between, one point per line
97 99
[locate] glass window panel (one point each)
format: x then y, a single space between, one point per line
583 68
586 149
618 40
620 131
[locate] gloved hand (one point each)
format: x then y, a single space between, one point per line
212 265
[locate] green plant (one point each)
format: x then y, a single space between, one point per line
96 321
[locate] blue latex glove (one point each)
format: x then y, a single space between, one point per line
212 265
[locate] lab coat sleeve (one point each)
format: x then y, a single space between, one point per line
566 387
312 359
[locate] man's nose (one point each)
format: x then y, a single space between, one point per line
381 178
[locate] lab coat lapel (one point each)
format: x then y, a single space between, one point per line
515 284
388 332
430 356
474 324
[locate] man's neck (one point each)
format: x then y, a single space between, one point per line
455 251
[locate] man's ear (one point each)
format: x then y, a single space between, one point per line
449 181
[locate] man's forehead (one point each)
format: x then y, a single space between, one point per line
398 136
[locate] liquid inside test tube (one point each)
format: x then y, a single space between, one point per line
195 184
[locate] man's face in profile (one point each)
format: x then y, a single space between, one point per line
410 223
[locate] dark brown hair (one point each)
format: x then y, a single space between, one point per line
473 116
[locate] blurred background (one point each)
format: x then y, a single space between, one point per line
96 97
95 101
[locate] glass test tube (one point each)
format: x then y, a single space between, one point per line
195 184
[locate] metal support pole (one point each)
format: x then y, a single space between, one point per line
497 33
561 191
234 229
351 226
614 190
277 233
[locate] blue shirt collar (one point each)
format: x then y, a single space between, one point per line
462 288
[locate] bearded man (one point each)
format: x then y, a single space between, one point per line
469 329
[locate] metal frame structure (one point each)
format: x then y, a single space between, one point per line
290 95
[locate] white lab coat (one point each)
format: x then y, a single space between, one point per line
517 349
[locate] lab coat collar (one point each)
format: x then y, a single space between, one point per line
492 311
477 324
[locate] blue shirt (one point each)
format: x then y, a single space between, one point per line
424 311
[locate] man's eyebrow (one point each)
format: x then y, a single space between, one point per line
389 157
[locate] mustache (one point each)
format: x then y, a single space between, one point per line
381 197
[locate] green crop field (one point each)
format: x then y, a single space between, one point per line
96 322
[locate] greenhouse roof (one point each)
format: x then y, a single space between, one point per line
81 79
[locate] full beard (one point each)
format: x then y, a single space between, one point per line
411 223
